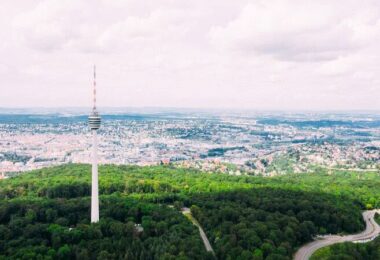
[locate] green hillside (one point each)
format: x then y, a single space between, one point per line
45 214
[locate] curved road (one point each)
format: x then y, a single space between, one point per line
372 230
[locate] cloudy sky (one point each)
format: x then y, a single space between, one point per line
257 54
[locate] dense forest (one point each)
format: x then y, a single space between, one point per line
45 214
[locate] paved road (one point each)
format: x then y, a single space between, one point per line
372 230
206 242
353 169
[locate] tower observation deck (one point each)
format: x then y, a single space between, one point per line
94 121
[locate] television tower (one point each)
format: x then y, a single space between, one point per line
94 123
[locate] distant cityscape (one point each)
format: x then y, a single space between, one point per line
247 143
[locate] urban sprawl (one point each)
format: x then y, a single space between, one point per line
234 144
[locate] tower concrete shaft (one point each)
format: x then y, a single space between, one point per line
94 187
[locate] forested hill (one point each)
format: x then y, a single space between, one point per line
45 214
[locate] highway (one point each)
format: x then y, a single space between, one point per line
372 230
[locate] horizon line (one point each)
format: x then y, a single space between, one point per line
232 109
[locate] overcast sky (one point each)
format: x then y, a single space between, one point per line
269 54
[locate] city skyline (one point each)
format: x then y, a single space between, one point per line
35 141
266 55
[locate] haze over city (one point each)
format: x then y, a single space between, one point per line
282 55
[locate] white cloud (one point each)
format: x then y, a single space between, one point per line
217 53
158 26
51 24
299 30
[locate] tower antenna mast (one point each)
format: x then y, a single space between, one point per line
94 91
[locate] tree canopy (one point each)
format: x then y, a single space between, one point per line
45 214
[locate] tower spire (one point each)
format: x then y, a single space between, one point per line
94 93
